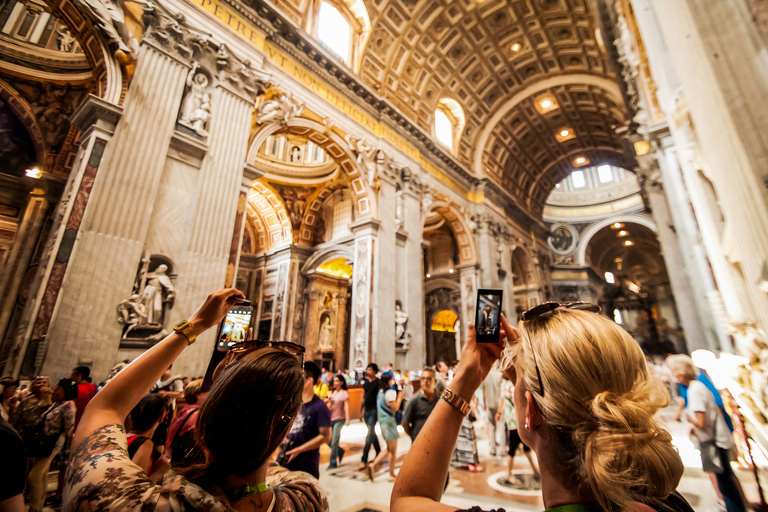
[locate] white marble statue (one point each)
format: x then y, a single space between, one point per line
366 157
66 41
108 16
401 318
157 292
324 338
131 313
750 342
399 209
279 109
201 116
191 105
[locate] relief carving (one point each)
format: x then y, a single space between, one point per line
143 314
196 106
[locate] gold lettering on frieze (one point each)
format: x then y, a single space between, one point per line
244 28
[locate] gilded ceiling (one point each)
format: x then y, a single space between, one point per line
484 54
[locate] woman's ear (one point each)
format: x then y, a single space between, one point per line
533 417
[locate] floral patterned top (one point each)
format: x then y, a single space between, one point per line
102 477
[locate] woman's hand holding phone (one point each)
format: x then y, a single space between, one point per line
214 309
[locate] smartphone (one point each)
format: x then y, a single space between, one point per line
488 315
234 327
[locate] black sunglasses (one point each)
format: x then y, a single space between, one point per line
550 307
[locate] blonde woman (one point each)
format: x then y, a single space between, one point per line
584 402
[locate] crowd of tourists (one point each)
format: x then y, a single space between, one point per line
567 386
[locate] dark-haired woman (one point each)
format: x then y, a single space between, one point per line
58 422
388 402
246 415
145 418
339 404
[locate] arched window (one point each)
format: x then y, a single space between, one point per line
449 122
334 31
443 129
342 26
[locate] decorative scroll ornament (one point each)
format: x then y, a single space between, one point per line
280 109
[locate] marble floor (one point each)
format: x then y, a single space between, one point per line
350 491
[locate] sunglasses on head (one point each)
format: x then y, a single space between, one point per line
552 307
239 350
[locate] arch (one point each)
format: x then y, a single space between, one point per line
327 254
596 156
461 232
267 205
610 86
24 113
335 146
586 236
314 211
435 284
109 74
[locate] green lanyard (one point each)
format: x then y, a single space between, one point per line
248 490
578 507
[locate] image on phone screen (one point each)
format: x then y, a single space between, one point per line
234 327
488 315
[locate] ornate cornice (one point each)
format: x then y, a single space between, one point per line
170 32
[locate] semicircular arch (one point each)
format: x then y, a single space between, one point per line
461 232
327 254
25 115
313 212
592 230
435 284
365 203
265 202
108 73
535 89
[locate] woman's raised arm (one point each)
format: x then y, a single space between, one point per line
421 480
113 403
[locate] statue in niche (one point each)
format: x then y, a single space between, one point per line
401 319
144 313
158 291
296 155
196 105
279 109
108 16
65 41
324 336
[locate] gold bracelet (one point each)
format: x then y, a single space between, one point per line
456 401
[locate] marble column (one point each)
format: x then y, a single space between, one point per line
16 266
722 75
675 261
385 271
412 272
486 252
103 262
203 268
689 234
361 324
96 120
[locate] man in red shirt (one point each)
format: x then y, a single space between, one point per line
85 390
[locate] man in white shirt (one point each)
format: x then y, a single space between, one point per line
710 428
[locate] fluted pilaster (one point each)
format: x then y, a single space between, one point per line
103 262
204 264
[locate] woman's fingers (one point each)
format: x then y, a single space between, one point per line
512 335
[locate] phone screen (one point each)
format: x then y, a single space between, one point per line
488 315
235 325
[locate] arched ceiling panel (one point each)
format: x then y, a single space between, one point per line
527 155
421 51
